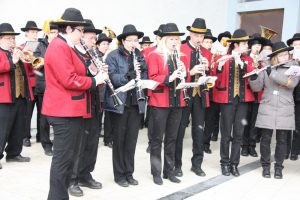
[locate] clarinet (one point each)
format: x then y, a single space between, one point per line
139 91
98 63
186 97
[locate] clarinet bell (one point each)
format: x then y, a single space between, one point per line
186 97
140 94
117 101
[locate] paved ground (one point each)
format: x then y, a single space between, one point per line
30 181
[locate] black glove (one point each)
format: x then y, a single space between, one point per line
269 70
253 77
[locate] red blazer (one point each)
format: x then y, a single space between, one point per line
158 71
66 81
7 79
223 92
147 52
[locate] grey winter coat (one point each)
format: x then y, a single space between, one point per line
276 109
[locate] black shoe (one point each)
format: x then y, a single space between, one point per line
294 157
48 152
123 183
214 138
278 173
132 181
157 180
252 152
234 171
91 183
172 178
18 158
75 191
26 142
266 173
207 150
225 170
178 172
244 151
108 144
198 171
148 149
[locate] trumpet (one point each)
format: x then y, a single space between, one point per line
139 91
186 97
98 62
26 57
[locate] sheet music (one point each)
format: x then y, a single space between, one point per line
30 46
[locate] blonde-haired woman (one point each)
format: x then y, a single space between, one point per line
167 102
276 109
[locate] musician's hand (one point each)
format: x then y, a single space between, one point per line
16 56
174 75
205 63
93 69
238 61
137 66
101 78
104 68
197 69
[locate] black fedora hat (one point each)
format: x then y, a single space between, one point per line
71 17
296 36
209 35
198 26
7 29
103 37
146 40
279 47
239 35
90 28
224 34
170 29
129 29
256 38
159 30
30 25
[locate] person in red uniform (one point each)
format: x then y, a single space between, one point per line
15 90
167 102
31 34
233 93
197 58
65 99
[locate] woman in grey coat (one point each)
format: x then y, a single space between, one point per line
276 109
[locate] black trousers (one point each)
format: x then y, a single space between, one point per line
233 118
293 139
250 132
12 124
29 112
87 149
149 123
165 121
197 111
212 121
280 149
107 128
67 131
125 133
44 127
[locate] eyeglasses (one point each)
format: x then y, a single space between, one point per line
132 41
9 37
79 29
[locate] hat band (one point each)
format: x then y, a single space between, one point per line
278 50
171 32
241 38
198 29
62 20
5 32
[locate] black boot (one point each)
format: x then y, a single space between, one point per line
252 152
234 171
244 151
278 173
266 172
225 170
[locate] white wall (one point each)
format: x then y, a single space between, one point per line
145 15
